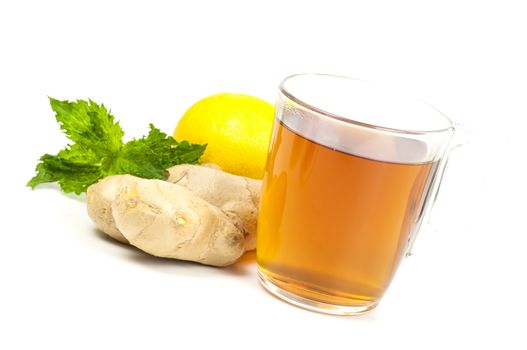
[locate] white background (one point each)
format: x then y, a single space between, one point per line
64 286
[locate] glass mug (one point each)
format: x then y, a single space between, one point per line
351 173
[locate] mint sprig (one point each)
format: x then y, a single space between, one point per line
97 149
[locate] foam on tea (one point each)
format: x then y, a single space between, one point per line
386 111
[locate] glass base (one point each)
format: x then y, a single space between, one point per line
275 289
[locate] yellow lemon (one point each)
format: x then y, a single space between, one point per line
236 128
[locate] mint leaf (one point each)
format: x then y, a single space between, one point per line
153 153
98 150
89 125
72 176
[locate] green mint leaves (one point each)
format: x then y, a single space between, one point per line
97 149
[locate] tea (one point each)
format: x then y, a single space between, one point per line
333 226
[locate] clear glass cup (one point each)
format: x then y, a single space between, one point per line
352 171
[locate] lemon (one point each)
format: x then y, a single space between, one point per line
236 128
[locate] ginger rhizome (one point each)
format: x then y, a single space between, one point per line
199 214
100 196
237 196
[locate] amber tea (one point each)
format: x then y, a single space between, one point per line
351 173
333 226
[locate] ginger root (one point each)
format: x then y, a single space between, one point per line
200 213
237 196
100 197
168 220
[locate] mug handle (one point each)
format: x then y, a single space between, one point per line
460 137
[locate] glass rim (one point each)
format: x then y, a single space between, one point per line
329 114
